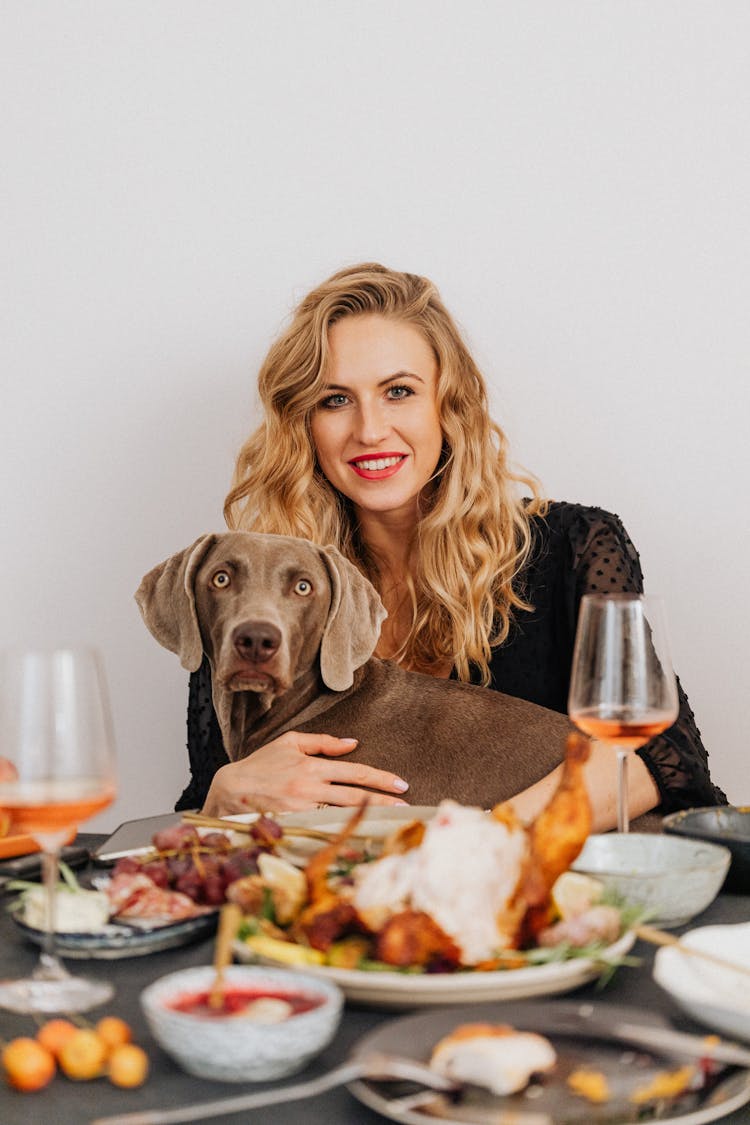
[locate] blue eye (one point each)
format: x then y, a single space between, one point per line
399 391
332 402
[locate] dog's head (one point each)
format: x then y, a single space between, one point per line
263 608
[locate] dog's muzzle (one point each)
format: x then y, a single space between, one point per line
255 644
256 641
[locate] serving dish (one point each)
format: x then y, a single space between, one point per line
120 939
550 1101
728 825
672 879
709 993
23 844
376 825
395 990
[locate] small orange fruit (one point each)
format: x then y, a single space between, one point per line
54 1034
28 1065
128 1065
113 1032
83 1056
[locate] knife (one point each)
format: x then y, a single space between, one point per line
655 1037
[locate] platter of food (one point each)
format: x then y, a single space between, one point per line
380 988
461 906
167 897
115 940
551 1063
303 831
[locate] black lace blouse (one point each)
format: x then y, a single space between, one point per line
577 550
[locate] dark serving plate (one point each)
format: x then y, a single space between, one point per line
723 824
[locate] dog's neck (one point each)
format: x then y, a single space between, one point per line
247 720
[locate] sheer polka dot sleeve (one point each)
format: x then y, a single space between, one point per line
605 561
205 748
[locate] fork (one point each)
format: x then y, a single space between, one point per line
376 1066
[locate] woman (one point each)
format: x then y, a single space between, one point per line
377 438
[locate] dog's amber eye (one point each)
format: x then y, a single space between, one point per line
221 579
303 587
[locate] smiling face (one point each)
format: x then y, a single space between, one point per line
376 427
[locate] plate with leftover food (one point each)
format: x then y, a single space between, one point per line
547 1064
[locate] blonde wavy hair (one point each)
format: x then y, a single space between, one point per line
473 536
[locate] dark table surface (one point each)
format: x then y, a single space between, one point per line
65 1102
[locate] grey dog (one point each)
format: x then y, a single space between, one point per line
289 629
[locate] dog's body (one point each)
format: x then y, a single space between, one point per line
289 628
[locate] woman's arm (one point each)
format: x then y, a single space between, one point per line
601 781
604 560
589 551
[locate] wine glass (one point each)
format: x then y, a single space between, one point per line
623 690
55 729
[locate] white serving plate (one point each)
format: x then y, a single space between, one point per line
709 993
376 825
394 990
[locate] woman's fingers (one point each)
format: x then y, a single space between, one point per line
347 796
299 771
322 743
352 773
357 773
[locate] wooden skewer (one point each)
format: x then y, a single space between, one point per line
202 821
229 922
659 937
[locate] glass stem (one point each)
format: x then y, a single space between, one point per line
50 967
623 819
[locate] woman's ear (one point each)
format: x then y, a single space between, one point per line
166 599
354 619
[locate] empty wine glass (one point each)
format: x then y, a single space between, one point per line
622 688
55 729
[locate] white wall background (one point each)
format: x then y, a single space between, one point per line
177 173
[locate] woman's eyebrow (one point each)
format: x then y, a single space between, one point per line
381 383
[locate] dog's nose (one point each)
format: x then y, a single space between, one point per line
256 641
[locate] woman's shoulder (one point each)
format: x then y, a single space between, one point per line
584 538
578 526
566 517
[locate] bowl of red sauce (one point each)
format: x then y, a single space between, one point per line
271 1023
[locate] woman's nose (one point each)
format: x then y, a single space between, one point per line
371 425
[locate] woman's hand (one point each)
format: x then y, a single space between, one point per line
283 776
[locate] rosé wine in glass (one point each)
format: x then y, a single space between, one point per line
56 733
622 688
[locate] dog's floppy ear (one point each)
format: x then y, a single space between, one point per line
354 619
166 599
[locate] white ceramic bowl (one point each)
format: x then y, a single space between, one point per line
711 994
234 1048
672 877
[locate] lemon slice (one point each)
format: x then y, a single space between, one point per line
574 892
284 952
287 884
